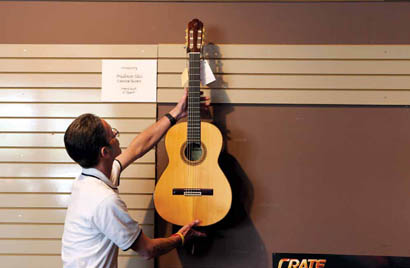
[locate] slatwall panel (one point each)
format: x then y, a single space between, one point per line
273 1
42 89
295 74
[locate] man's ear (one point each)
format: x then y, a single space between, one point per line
105 150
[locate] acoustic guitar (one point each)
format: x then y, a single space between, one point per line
193 186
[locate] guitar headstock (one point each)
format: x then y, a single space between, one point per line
195 36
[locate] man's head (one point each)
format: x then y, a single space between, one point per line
88 138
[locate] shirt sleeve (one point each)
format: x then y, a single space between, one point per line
116 172
112 219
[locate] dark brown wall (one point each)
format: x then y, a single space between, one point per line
238 23
330 179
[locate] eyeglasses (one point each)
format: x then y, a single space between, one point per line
115 132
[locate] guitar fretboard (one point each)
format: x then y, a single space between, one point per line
194 98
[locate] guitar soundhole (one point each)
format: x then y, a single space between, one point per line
193 152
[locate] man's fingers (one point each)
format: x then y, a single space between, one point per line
206 101
189 226
198 234
194 223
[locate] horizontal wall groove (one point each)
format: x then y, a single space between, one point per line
51 223
65 193
52 132
208 58
32 223
29 254
42 193
77 102
77 58
33 208
33 147
49 148
71 88
30 239
51 73
69 178
290 89
216 59
67 163
57 88
35 162
65 117
34 193
306 59
57 255
141 209
64 208
146 194
37 178
299 74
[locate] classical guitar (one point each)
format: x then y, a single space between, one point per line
193 186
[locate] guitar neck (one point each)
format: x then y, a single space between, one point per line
194 98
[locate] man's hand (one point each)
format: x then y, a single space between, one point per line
190 233
180 110
149 248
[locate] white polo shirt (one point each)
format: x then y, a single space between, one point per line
97 221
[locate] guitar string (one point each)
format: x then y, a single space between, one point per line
194 129
189 128
198 102
190 137
198 120
194 126
190 133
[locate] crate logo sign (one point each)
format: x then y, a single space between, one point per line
301 260
303 263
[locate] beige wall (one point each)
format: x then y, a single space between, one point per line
295 74
42 89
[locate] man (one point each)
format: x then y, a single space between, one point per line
97 220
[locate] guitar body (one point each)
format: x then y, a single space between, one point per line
193 189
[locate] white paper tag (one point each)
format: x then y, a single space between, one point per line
207 76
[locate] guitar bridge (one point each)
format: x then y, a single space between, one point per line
192 191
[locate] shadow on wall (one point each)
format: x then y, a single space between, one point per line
234 241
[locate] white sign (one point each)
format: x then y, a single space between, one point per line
129 81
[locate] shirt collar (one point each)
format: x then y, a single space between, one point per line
93 172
